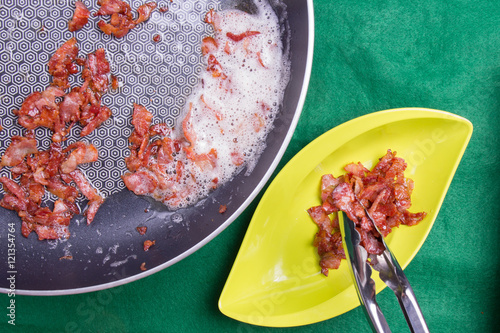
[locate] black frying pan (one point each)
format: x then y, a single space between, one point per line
109 252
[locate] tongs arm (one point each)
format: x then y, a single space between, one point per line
361 271
390 273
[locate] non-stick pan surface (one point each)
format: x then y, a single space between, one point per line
158 75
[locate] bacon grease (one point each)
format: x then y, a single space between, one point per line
231 111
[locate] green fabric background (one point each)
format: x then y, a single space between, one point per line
369 56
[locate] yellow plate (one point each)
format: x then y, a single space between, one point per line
276 280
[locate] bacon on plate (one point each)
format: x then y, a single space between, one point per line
384 191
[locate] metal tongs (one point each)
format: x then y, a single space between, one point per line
389 271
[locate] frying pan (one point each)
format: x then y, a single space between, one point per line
160 76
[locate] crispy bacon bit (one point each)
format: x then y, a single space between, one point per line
109 7
19 148
69 109
148 244
163 9
40 109
209 45
80 153
54 169
213 18
384 191
61 64
241 36
214 66
95 72
121 21
95 200
66 258
140 182
80 17
115 84
142 230
222 209
119 26
156 38
145 11
42 171
58 187
93 117
141 119
80 104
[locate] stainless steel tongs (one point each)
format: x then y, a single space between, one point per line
389 271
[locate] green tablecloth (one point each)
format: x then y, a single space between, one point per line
369 56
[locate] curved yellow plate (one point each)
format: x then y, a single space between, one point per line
276 280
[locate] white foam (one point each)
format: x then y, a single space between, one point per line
233 113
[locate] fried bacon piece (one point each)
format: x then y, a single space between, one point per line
52 170
80 153
40 109
145 11
62 65
95 72
109 7
161 164
213 18
19 148
119 25
384 191
241 36
140 182
58 187
95 200
142 230
141 119
122 21
81 104
147 244
93 117
80 17
209 45
69 108
56 168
